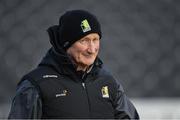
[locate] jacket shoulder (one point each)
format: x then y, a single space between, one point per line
107 75
105 72
38 74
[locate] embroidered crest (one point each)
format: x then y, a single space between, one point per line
105 92
85 26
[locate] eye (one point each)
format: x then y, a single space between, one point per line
95 40
83 41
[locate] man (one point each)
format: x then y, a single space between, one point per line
71 81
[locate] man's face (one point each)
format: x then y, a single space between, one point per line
85 50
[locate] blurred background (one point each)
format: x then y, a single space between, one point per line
140 45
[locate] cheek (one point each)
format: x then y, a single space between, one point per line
97 45
78 55
97 49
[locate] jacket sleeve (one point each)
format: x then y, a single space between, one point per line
124 109
26 103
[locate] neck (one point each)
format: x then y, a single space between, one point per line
81 68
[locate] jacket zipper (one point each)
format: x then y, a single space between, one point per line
84 86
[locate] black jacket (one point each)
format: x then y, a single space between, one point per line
56 90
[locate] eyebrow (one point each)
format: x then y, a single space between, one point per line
90 38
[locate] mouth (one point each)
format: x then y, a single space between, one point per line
88 56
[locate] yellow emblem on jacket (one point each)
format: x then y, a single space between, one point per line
105 92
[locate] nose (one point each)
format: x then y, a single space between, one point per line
92 48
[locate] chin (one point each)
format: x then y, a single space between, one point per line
89 63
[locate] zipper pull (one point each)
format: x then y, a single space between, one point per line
83 84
